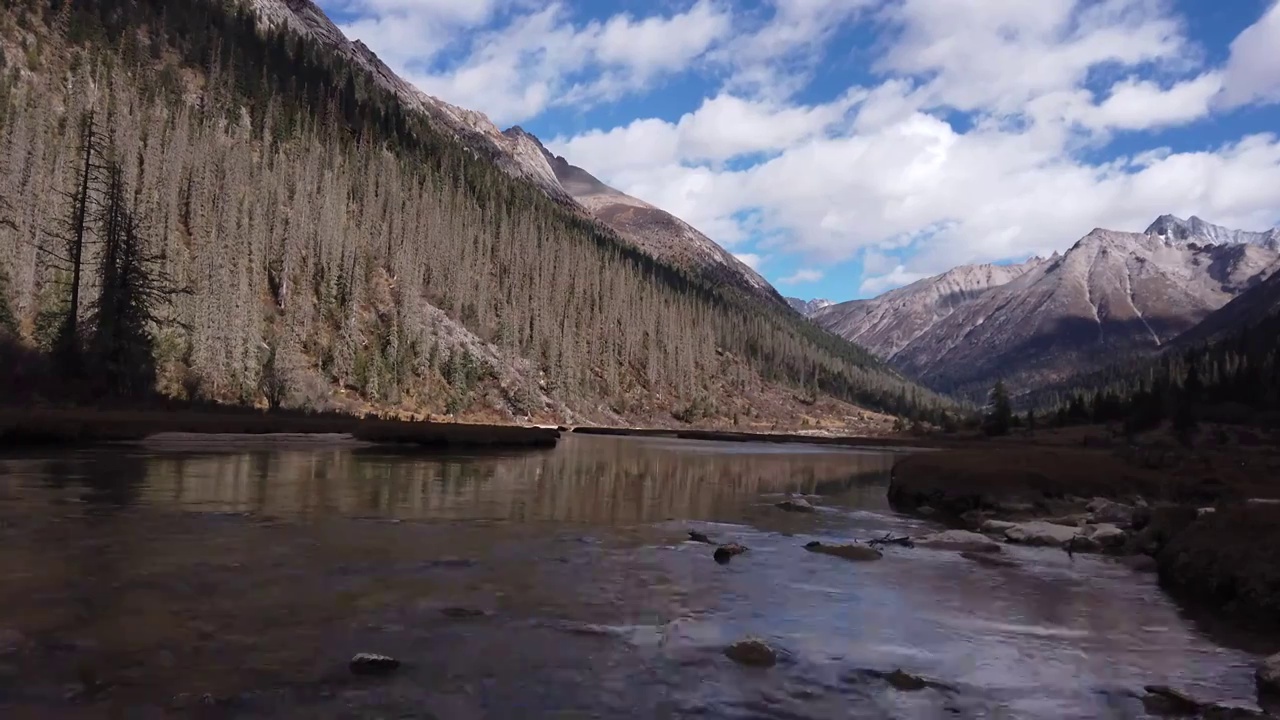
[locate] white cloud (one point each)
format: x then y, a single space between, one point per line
883 171
535 59
751 260
802 276
1253 71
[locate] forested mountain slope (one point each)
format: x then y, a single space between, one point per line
339 244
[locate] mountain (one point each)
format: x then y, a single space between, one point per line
890 322
1043 321
808 308
331 238
1248 309
650 229
1195 230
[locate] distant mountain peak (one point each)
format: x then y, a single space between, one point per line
808 308
1194 229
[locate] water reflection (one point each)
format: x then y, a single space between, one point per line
586 480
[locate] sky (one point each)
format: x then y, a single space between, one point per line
846 147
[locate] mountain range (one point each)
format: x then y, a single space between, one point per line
1037 323
346 241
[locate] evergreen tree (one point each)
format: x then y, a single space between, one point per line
999 415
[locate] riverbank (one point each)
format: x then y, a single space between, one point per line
34 427
1207 519
880 441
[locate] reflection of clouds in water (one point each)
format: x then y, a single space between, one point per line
585 480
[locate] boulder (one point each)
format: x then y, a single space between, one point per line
1167 702
1268 677
996 527
1108 511
373 664
856 553
753 652
975 518
696 536
962 540
1038 532
796 504
1108 537
462 613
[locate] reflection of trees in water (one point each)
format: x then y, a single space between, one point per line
594 481
108 480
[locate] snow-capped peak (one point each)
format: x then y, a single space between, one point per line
1173 229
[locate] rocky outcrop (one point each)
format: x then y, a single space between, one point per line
725 553
373 664
796 504
1102 510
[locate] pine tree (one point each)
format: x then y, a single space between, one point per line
999 415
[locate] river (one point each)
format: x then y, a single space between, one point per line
206 581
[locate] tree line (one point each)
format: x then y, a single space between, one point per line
324 236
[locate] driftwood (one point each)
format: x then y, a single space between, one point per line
889 539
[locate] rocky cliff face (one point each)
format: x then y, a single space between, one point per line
808 308
1034 324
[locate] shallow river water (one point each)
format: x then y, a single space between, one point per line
193 581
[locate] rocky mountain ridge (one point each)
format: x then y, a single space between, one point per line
809 308
1039 322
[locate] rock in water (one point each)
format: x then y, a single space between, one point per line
1038 532
988 559
373 664
462 613
1165 701
962 540
696 536
996 527
724 553
1107 536
1268 677
796 505
857 553
906 681
753 652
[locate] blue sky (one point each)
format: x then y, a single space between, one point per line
845 147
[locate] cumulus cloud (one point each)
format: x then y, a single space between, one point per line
751 260
1253 71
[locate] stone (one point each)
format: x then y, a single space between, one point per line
988 559
725 553
1038 532
926 511
856 553
1167 702
1107 536
373 664
1268 677
1262 501
696 536
1015 508
1107 511
905 681
962 540
974 518
796 504
1228 712
996 527
752 652
1201 512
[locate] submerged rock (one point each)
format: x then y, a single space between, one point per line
988 559
1038 532
462 613
857 553
962 540
905 681
725 553
753 652
796 504
1165 701
696 536
373 664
